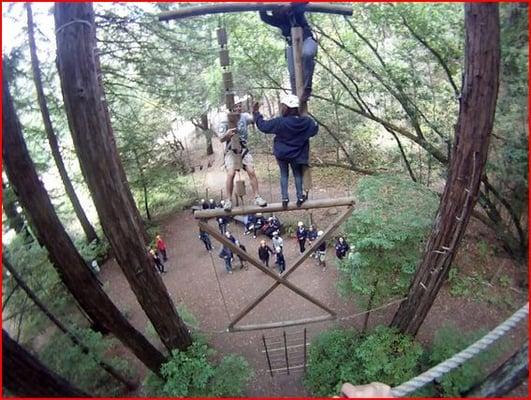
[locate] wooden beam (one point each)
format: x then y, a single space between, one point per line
289 271
282 324
297 42
243 7
253 261
274 207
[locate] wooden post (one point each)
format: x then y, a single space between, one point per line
243 7
286 351
297 40
275 207
267 356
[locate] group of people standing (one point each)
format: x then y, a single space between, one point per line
305 236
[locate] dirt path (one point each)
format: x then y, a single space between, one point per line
193 275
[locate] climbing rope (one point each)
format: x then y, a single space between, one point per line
219 286
458 359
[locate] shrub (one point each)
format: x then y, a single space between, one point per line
191 373
340 356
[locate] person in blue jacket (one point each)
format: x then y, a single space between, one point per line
284 18
291 145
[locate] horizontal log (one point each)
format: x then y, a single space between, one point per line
274 207
281 324
243 7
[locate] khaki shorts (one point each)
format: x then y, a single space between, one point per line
230 160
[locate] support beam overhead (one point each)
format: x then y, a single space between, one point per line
242 7
274 207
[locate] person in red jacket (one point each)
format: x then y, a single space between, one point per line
161 248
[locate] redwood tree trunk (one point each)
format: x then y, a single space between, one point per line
61 251
90 233
93 139
476 116
25 376
208 134
41 306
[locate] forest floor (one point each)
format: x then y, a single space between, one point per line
198 280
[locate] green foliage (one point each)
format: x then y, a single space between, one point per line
95 250
386 231
69 361
31 262
339 356
191 373
449 341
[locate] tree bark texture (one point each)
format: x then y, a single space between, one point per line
25 376
476 116
507 377
62 253
93 139
20 281
208 134
90 233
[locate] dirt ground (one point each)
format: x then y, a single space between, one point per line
198 280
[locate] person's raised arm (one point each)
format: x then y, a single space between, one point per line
270 126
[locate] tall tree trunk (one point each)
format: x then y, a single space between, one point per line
476 116
108 368
92 134
369 306
114 150
208 134
62 253
25 376
90 233
507 377
143 182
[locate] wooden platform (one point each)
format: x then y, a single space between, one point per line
274 207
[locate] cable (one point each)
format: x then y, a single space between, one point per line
459 358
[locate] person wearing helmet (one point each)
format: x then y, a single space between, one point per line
301 234
225 134
205 238
291 145
263 252
242 261
280 261
285 18
258 224
222 224
211 204
278 243
227 255
312 236
229 236
204 204
342 247
321 252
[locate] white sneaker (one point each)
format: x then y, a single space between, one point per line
228 205
259 201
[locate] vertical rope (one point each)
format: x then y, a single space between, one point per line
219 287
